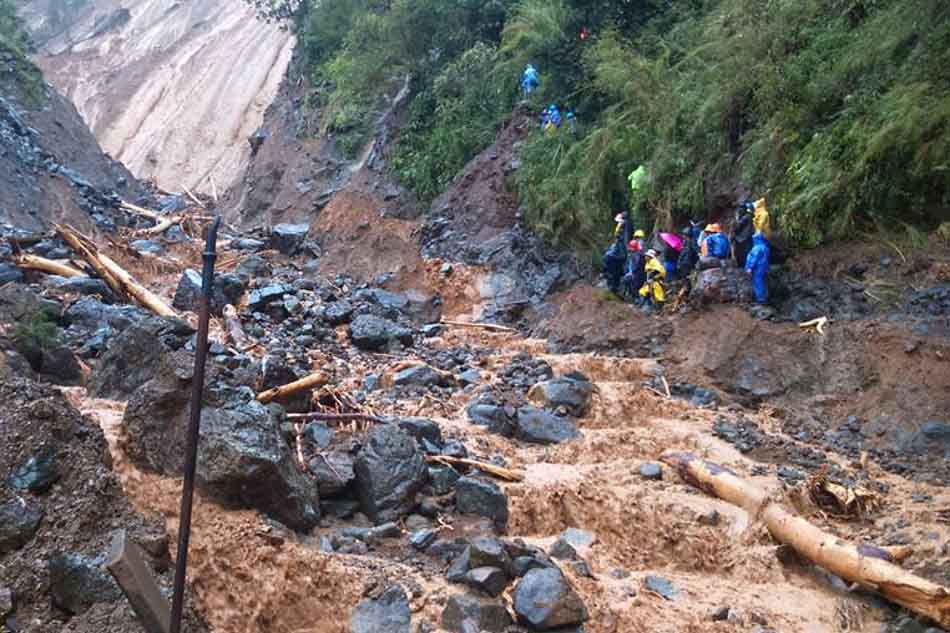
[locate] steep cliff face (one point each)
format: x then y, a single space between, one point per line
172 89
51 168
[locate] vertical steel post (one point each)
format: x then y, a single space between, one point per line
194 424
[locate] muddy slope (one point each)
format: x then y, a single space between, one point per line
51 167
171 89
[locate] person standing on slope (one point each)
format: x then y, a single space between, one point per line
742 233
530 81
757 266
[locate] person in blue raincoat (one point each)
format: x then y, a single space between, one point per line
757 266
530 81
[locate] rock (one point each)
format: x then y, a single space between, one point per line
337 313
709 519
373 334
340 508
226 288
422 309
722 285
389 613
487 615
150 247
6 602
88 287
247 244
333 471
421 539
488 580
19 521
318 434
470 377
543 427
37 473
288 238
571 541
483 498
133 357
390 471
76 583
443 479
260 299
651 471
90 313
59 362
724 614
544 600
572 394
933 438
495 418
371 535
660 586
421 429
422 376
253 267
9 274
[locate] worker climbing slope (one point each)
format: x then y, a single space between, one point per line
530 81
653 290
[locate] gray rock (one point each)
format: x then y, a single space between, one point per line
59 362
495 418
247 244
422 539
254 266
133 357
651 471
288 238
319 434
389 613
571 393
421 429
92 314
76 583
390 471
443 479
226 288
932 438
37 473
19 521
483 498
334 472
10 274
709 519
260 299
543 427
422 309
487 615
722 285
87 286
470 377
147 246
337 313
422 376
544 600
571 540
488 580
660 586
373 334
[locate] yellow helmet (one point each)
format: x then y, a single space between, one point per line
639 233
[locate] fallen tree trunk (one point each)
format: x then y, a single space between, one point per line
236 333
317 379
32 262
864 565
121 282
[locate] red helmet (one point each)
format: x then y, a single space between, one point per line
634 246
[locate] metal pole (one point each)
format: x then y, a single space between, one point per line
191 452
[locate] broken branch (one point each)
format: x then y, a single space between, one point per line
317 379
32 262
864 565
502 473
819 324
480 326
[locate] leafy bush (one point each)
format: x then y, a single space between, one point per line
15 43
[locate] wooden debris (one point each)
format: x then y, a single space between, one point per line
317 379
121 282
125 562
128 206
336 417
864 565
839 500
480 326
32 262
193 197
502 473
819 324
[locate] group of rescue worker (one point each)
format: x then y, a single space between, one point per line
551 117
641 269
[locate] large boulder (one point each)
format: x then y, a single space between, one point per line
19 521
474 495
77 582
486 615
226 288
495 418
288 238
722 285
333 472
421 308
373 334
91 313
572 392
390 471
543 427
544 600
389 613
243 459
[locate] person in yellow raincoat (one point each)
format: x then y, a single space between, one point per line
656 273
760 219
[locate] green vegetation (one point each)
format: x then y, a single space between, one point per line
36 333
837 110
14 45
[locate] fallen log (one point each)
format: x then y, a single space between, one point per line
121 282
235 330
864 565
33 262
128 206
502 473
162 226
317 379
480 326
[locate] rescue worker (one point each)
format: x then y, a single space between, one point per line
551 120
640 236
653 290
742 233
614 259
714 244
761 219
670 260
757 266
572 121
529 81
689 256
635 274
